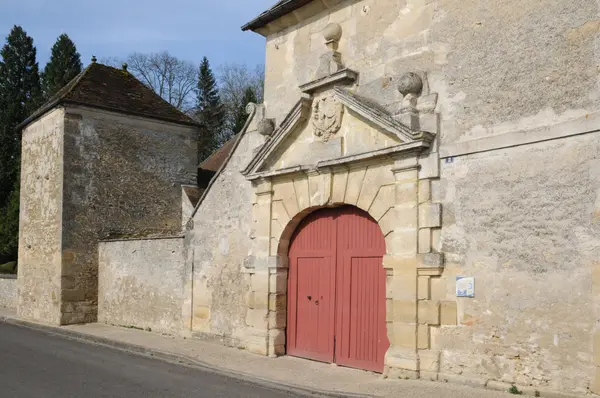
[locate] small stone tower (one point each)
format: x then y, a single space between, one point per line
105 158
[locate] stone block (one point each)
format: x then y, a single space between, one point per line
423 288
405 311
401 264
302 193
429 361
405 167
263 187
402 287
278 282
595 385
407 193
383 202
319 187
354 186
430 166
429 312
277 350
201 325
448 313
430 215
258 318
257 341
278 302
597 348
427 375
280 213
277 319
425 240
404 335
375 178
258 300
262 215
438 288
428 122
423 337
436 239
403 374
402 358
338 189
424 191
402 242
277 261
406 217
389 310
259 282
430 260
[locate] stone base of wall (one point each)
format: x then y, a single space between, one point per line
8 291
487 384
141 284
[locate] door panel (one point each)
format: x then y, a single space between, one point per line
315 308
361 331
336 290
311 288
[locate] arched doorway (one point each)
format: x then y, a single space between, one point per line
336 289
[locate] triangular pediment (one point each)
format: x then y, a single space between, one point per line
330 127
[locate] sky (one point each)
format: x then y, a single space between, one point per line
188 29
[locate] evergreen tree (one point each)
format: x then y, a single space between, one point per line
20 95
209 112
240 116
64 65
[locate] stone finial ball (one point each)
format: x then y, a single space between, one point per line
410 83
332 32
266 127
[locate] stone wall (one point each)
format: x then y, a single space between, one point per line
40 226
497 66
8 291
122 180
140 284
524 222
220 242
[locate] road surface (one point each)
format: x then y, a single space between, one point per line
35 364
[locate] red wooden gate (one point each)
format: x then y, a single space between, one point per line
336 294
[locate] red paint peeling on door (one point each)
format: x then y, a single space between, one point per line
336 295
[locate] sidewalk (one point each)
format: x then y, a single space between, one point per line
284 372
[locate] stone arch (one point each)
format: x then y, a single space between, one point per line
397 195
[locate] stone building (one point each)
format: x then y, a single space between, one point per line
105 158
418 195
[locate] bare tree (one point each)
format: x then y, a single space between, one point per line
234 82
171 78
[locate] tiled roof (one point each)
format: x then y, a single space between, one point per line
280 9
104 87
193 193
216 160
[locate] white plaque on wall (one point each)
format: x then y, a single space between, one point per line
465 286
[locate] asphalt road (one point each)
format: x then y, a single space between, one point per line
36 364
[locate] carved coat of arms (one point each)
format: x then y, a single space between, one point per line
327 116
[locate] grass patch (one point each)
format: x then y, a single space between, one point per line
514 390
8 268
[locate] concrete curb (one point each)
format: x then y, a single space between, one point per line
175 358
